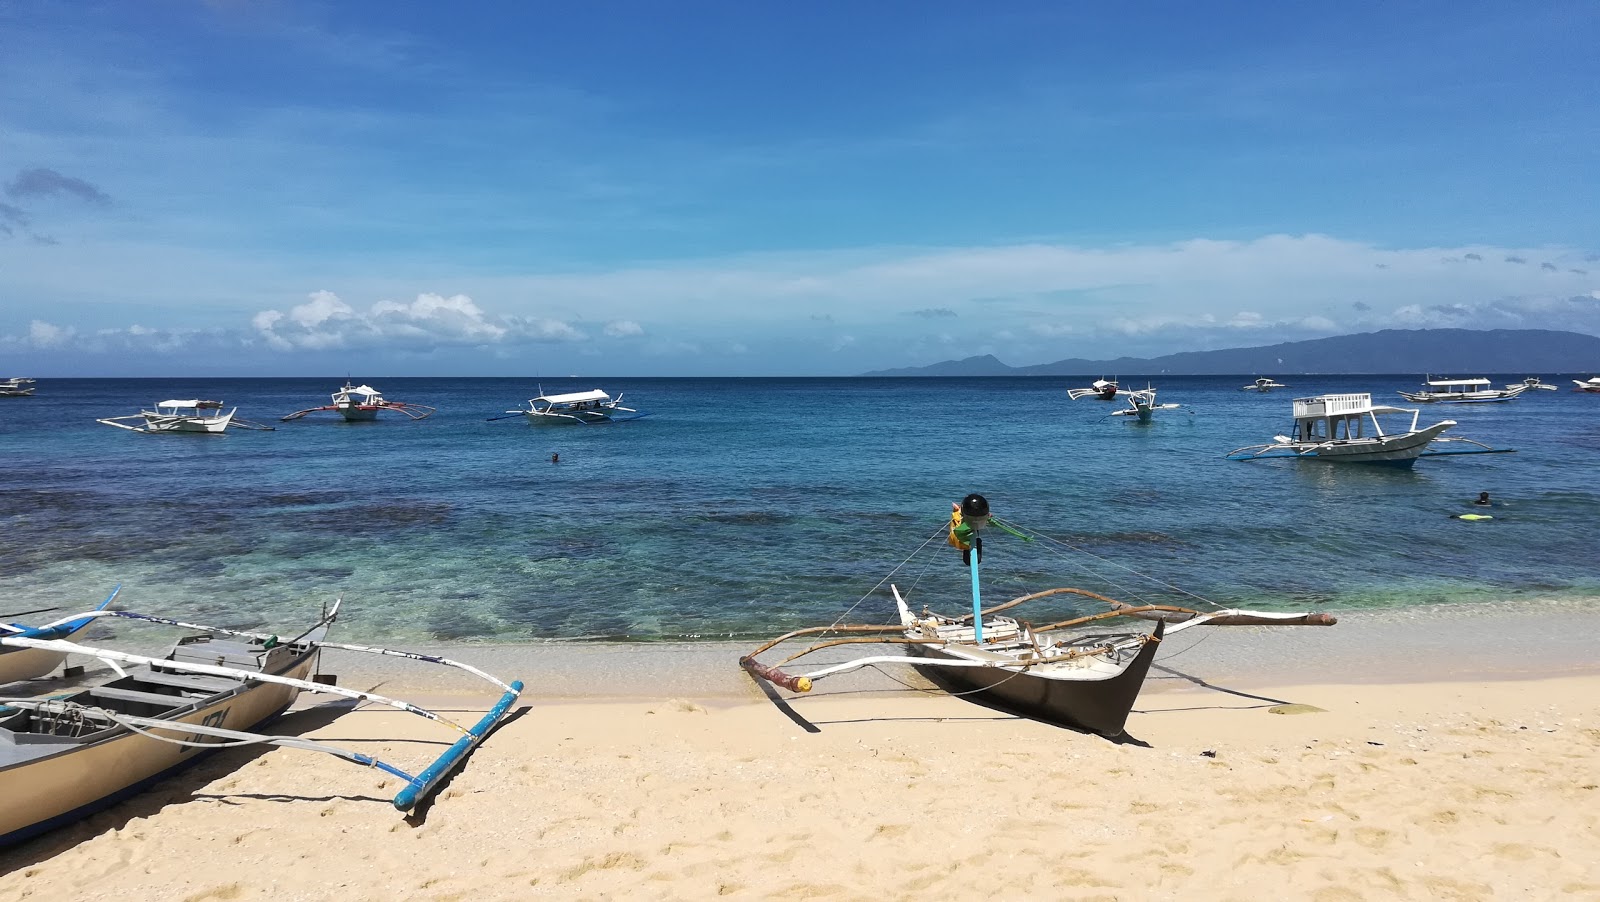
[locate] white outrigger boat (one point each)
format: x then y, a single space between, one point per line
190 417
1344 428
1052 673
361 403
575 408
1591 384
16 387
1463 391
1263 384
18 664
65 757
1142 405
1534 383
1103 389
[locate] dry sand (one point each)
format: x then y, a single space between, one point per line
1450 790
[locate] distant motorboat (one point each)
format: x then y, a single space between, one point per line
1263 385
1102 389
1591 385
1462 391
1344 428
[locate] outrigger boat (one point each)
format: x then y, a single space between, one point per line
1463 391
191 417
1344 428
1534 383
1142 404
1103 389
1592 384
586 408
66 757
360 403
18 664
16 387
1263 385
1053 673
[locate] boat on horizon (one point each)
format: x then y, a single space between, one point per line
1534 383
1056 673
1590 385
1463 391
65 757
1102 389
183 417
363 403
1344 428
16 387
1263 384
584 408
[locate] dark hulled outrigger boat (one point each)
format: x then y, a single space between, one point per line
65 757
1053 673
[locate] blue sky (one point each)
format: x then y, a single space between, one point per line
267 187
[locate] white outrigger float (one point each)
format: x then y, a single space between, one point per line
183 417
1052 673
586 408
65 757
1344 428
361 403
1463 391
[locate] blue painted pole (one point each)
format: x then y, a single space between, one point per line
977 601
426 782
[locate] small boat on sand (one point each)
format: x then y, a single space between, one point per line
1462 391
1102 389
16 387
363 403
1263 385
65 757
17 664
1591 384
1056 672
188 417
584 408
1345 428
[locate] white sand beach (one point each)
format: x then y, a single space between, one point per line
1463 787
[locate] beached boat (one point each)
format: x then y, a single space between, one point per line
1534 383
1463 391
1102 389
575 408
362 403
1263 385
1057 672
16 387
64 757
1142 405
1345 428
190 417
1591 384
17 664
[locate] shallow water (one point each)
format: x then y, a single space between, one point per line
745 507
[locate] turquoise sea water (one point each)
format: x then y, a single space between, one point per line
745 507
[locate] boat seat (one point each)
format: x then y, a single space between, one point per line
134 695
199 682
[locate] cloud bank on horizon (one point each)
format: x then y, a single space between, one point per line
296 188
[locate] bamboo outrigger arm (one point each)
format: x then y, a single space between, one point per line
1169 614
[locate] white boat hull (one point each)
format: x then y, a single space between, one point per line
18 664
353 414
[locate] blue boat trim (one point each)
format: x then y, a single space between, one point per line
423 785
63 630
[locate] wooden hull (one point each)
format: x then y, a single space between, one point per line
1098 705
58 788
18 664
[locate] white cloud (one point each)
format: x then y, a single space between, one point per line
46 335
623 328
431 321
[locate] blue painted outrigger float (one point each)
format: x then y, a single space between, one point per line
18 664
65 757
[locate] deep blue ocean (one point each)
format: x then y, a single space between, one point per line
745 507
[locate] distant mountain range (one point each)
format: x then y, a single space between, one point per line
1460 352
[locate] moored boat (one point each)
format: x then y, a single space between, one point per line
1534 383
1462 391
1263 385
183 417
1101 389
1057 672
1345 428
64 757
363 403
16 387
1591 384
586 408
1142 405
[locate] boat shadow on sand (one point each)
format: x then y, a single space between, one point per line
187 785
1008 713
